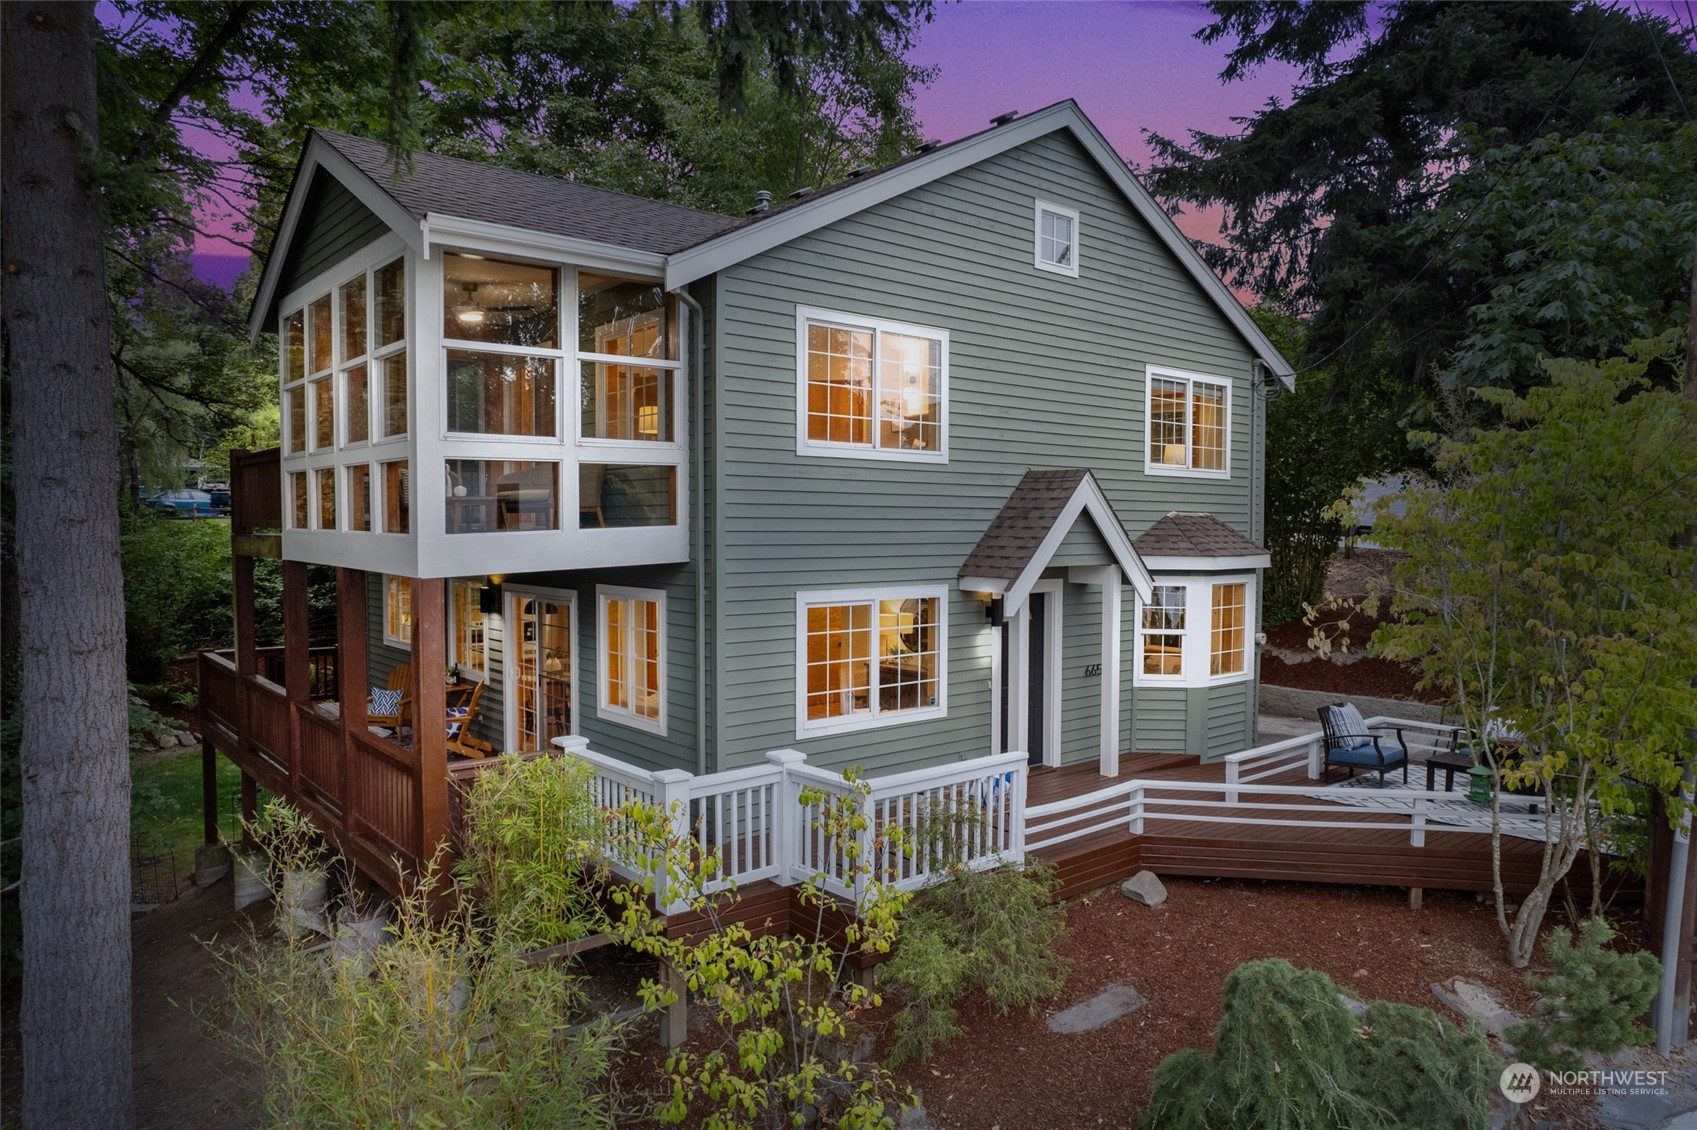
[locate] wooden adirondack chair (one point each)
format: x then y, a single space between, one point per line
400 679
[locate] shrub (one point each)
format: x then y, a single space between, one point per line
1590 1003
992 931
177 592
529 846
445 1026
1289 1055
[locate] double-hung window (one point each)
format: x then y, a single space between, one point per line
466 648
867 658
871 389
630 636
1189 429
1195 632
1057 239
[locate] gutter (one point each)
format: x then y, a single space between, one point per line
698 540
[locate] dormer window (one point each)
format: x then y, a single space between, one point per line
1057 239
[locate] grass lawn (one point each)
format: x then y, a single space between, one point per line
165 803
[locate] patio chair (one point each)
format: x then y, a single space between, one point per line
388 706
1350 744
462 708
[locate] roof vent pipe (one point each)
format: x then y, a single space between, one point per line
800 192
762 201
928 144
1004 119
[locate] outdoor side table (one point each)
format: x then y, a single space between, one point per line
1450 764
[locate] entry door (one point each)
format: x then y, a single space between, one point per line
1027 677
540 657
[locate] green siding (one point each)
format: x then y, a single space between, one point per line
333 224
1081 692
1158 721
1045 371
1083 545
1228 721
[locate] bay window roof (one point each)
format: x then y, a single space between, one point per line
1197 541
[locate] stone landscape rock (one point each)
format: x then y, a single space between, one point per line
1144 887
184 738
1104 1008
1471 1000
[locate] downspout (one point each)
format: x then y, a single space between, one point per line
698 547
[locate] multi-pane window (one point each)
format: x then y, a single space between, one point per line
326 498
1189 418
867 658
872 388
501 495
504 310
1057 239
632 644
1162 648
627 349
298 497
397 611
466 649
1226 652
1195 631
359 497
397 498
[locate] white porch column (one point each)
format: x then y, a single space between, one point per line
1108 579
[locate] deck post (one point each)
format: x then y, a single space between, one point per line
209 790
1231 781
352 675
1135 797
296 655
674 1018
1314 755
1415 896
250 809
671 793
1016 831
786 817
1417 823
429 714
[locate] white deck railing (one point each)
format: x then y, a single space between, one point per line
750 823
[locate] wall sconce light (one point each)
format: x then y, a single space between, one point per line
489 597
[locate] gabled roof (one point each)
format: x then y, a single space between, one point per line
1021 540
453 195
797 218
1197 541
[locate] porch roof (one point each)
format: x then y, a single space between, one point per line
1197 541
1022 539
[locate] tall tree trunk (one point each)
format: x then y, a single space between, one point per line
75 1009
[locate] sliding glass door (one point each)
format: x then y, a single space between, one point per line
540 649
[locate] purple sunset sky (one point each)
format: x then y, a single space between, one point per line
1131 65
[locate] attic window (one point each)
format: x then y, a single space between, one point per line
1057 239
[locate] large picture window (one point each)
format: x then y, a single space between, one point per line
631 644
507 308
1189 423
871 389
867 658
1195 631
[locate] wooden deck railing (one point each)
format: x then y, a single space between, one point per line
256 491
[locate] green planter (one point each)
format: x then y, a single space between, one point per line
1479 784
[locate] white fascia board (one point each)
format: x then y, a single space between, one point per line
995 586
733 247
1208 564
1176 242
1088 498
321 155
503 239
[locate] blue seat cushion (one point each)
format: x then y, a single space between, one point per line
454 728
1369 757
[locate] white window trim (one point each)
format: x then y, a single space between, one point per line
1150 466
454 631
512 597
1198 631
824 449
1038 261
624 716
389 640
809 728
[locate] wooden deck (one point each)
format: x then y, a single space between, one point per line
1306 851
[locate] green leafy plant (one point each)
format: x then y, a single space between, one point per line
445 1026
1289 1055
992 931
783 1007
148 727
1590 1003
529 848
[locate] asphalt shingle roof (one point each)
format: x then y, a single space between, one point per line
1193 535
1013 536
473 190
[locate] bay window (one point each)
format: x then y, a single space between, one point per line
1194 631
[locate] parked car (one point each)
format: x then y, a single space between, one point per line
184 503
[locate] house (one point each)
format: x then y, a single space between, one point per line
956 457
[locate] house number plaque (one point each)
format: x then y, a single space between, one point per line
1092 670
